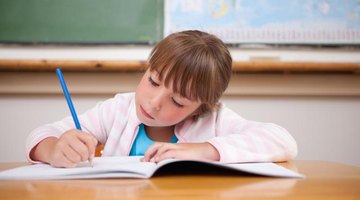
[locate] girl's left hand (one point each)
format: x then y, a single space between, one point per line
195 151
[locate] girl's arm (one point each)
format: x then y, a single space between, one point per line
96 121
241 140
232 139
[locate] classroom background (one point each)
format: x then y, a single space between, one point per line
296 63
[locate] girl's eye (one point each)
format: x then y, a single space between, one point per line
153 82
177 104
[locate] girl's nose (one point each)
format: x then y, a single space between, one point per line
155 102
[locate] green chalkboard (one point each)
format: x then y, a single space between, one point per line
81 21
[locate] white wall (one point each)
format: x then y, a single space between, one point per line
321 111
326 128
20 114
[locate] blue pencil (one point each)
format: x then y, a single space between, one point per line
68 98
69 102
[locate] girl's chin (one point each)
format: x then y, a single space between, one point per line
144 120
151 123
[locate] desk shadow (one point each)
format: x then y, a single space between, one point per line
191 180
190 168
205 169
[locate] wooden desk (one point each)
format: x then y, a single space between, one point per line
324 180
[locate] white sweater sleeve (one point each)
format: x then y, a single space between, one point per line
96 121
241 140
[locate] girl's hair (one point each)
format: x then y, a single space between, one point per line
197 64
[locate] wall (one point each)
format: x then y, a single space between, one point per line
320 110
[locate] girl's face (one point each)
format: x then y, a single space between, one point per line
157 105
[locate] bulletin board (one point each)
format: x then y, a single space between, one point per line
280 22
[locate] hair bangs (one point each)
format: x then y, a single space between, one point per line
186 73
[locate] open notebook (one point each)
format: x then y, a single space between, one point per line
132 167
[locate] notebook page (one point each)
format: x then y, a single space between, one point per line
103 167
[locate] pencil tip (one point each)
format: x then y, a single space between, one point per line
91 163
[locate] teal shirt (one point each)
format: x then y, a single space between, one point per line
142 142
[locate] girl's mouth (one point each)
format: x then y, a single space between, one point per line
145 113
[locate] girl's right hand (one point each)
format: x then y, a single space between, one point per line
71 148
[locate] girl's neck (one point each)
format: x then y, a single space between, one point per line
160 134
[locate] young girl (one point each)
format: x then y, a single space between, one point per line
174 113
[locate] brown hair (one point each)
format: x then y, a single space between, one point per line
197 60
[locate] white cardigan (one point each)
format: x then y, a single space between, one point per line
115 124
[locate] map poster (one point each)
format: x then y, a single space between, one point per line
268 21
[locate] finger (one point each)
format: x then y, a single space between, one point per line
151 151
92 151
170 153
60 160
66 162
72 139
80 148
71 154
163 149
90 141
